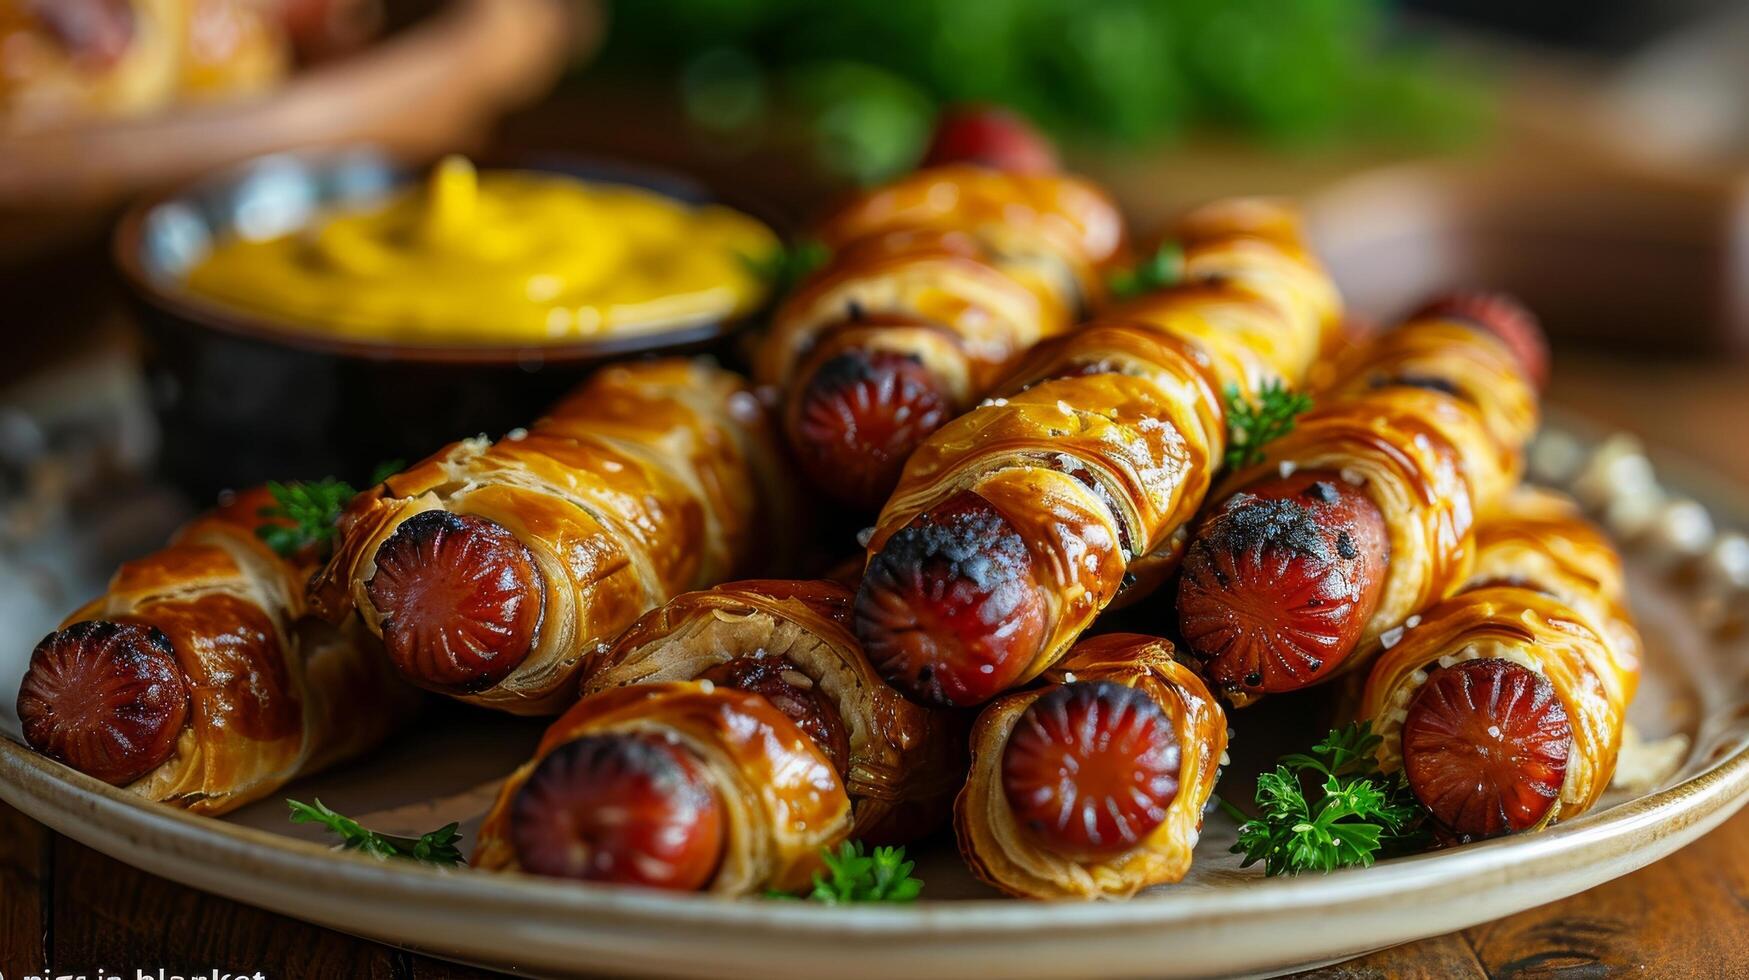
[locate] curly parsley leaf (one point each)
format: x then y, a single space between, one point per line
856 875
1348 818
437 847
1252 426
305 513
1163 268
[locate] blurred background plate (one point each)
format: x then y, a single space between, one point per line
437 80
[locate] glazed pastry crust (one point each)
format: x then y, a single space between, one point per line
1104 445
1000 852
782 799
1432 460
649 480
981 314
963 267
1546 594
1482 373
905 761
1540 538
1017 215
274 695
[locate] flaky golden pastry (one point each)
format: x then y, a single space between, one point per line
1430 421
1546 595
201 651
783 799
1102 446
651 479
935 285
999 849
791 641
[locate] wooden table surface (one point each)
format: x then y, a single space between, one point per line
65 907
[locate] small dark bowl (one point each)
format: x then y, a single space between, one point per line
244 398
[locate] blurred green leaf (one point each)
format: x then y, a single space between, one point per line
868 123
867 73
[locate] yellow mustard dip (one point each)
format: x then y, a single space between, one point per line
500 257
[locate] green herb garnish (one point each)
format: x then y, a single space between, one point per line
1251 426
854 875
1330 809
1164 268
310 509
386 469
437 847
784 267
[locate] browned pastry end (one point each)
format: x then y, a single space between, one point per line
107 699
1280 581
460 599
949 609
1485 747
856 418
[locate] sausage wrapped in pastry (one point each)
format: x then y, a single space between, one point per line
1504 704
1093 785
491 570
791 642
1364 513
196 680
1014 525
68 61
681 785
937 283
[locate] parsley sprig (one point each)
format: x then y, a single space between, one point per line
1251 426
1159 270
308 510
855 875
1330 809
437 847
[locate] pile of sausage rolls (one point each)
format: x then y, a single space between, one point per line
1036 451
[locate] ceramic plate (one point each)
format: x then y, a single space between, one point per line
1685 582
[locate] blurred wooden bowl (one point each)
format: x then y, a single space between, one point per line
434 85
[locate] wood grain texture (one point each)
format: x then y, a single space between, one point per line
1441 958
1684 916
25 876
107 915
